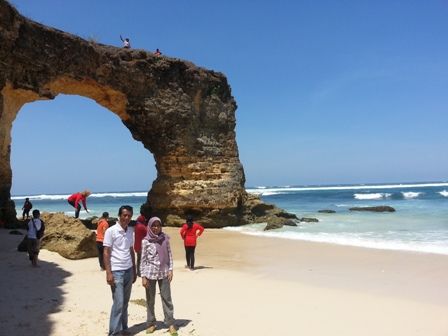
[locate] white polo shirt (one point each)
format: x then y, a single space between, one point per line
120 242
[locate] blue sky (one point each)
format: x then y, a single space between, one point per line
328 92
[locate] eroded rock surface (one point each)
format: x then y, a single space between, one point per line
184 115
68 236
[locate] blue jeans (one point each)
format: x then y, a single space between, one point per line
121 293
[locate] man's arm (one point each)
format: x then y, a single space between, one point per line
106 259
134 269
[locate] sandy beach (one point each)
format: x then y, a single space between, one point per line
244 285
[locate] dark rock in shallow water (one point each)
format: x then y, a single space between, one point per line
287 215
262 209
326 211
380 208
278 222
308 220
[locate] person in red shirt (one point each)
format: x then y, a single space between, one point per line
140 231
189 232
76 199
102 226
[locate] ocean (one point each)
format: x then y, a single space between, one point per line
420 223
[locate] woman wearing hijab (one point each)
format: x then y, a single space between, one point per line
157 267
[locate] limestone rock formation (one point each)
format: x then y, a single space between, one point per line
68 236
184 115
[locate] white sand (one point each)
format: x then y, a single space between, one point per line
245 285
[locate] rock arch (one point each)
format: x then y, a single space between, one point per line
184 115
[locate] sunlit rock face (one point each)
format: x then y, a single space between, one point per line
184 115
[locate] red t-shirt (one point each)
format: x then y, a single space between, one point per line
78 197
140 233
190 235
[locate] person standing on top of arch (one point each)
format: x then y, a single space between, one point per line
126 42
76 199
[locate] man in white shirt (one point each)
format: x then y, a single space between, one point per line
119 261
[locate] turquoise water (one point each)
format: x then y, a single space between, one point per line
420 222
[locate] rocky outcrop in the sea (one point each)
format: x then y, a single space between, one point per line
68 236
327 211
257 211
308 220
380 208
182 114
277 223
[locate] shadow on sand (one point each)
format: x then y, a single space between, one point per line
138 328
196 268
29 294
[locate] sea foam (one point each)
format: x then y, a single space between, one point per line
373 196
410 194
262 189
444 193
347 239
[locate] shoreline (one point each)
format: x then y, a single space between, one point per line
243 285
367 244
386 245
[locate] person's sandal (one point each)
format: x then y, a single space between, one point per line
151 329
172 330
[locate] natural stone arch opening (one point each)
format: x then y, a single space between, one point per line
71 143
194 146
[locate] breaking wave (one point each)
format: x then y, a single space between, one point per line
263 190
410 194
94 195
374 196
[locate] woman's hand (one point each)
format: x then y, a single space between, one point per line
145 282
170 276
